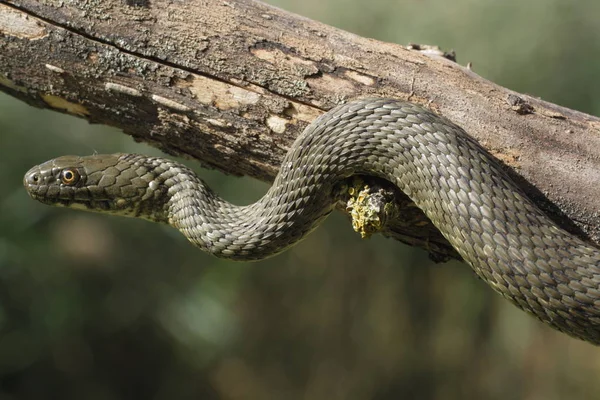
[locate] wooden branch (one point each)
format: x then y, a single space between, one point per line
232 83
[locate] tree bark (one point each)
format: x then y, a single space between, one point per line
232 83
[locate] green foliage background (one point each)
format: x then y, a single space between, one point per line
102 308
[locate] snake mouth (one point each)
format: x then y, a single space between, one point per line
34 192
51 201
38 194
57 196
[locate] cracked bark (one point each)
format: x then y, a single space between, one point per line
232 83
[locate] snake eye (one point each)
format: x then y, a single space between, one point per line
69 176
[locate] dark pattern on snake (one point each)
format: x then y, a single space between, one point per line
499 232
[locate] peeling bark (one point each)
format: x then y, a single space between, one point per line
232 83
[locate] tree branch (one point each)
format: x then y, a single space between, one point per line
232 83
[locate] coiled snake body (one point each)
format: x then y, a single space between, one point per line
498 231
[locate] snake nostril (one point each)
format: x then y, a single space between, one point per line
33 178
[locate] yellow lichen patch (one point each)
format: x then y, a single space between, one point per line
4 81
18 24
366 214
63 104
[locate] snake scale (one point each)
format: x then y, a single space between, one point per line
510 243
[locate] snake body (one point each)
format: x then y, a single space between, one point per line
498 231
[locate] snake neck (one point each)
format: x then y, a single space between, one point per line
256 231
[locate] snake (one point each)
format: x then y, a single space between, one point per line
508 241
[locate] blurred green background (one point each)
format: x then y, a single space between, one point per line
102 308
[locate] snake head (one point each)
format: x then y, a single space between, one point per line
120 184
